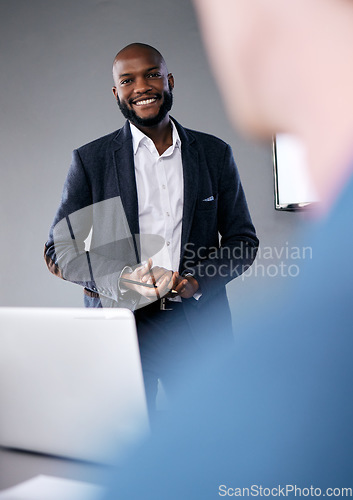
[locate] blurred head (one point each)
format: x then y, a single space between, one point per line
268 57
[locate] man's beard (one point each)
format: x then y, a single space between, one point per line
130 114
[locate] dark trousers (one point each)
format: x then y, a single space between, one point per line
167 348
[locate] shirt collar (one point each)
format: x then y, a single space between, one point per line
139 138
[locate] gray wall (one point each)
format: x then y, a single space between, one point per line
56 95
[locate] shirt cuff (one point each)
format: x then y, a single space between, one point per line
197 295
122 288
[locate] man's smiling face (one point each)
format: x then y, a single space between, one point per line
143 87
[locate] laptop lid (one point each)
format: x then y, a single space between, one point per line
71 382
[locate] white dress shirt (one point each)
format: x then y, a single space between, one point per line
160 194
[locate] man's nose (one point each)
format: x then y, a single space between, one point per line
141 86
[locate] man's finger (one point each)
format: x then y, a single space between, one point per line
181 286
145 271
158 272
164 282
174 280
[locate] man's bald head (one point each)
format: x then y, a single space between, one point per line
136 49
143 86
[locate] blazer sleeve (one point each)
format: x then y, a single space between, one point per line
67 252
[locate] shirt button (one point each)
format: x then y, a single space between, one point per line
168 243
163 186
168 214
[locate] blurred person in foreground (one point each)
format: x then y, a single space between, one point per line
274 417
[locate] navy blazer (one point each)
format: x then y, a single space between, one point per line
218 241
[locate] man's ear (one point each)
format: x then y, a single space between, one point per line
115 92
171 80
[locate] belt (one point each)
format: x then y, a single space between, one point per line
162 305
168 305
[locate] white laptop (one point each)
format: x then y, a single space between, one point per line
71 382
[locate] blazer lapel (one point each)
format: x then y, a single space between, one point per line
125 169
190 159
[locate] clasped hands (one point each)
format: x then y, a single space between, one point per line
164 282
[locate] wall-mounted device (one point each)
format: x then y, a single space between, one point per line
293 189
